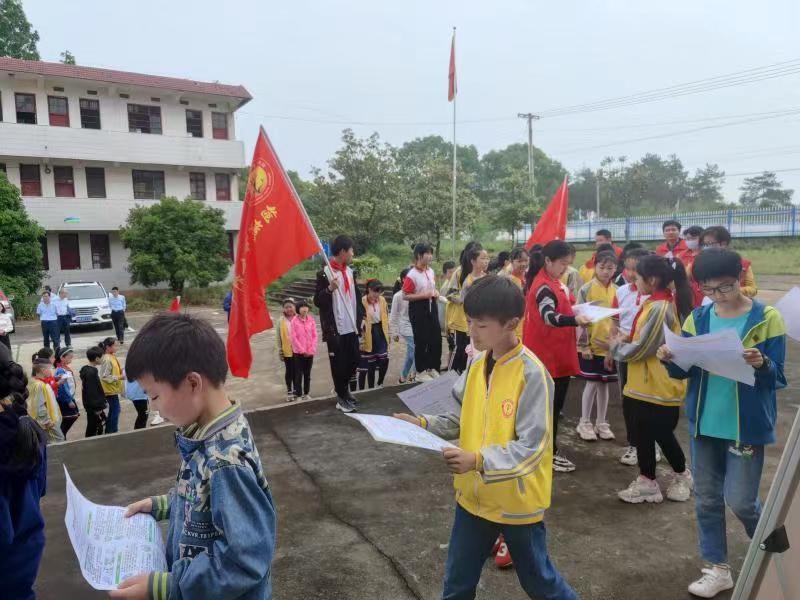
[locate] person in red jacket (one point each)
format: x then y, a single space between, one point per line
692 235
549 329
673 246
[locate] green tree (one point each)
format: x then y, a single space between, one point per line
67 57
705 187
177 242
20 250
18 39
765 191
360 193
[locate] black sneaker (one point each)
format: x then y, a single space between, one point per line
353 402
345 405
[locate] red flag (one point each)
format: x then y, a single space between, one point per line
452 88
175 306
553 224
274 236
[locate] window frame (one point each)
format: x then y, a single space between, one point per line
154 187
85 117
45 252
67 185
58 119
151 111
23 182
63 237
17 96
101 259
194 177
89 193
226 190
198 119
218 133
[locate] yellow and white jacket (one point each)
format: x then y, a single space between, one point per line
506 421
283 338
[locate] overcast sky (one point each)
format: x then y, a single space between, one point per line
386 63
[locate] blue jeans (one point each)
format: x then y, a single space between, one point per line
471 543
408 364
112 422
724 474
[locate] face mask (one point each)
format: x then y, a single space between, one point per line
692 244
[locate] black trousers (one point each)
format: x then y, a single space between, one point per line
343 353
50 333
561 387
627 409
67 423
653 424
95 423
4 339
118 318
141 413
459 363
424 317
288 374
302 374
63 329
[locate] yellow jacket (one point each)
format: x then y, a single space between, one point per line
601 295
43 408
283 339
368 322
454 313
747 282
521 285
110 373
648 379
506 421
573 279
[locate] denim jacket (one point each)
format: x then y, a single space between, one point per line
221 538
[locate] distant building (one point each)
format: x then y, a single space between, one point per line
85 145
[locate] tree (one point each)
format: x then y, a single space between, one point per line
177 242
67 57
705 188
20 249
18 39
765 191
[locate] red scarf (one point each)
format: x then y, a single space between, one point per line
657 295
343 270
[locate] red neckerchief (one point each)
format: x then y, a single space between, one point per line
657 295
343 270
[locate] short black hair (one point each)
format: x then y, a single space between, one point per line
421 249
718 232
503 256
636 253
46 292
94 353
605 247
300 304
106 343
694 231
494 297
605 256
44 353
341 242
671 223
631 246
518 253
374 284
713 263
448 264
604 232
172 345
114 288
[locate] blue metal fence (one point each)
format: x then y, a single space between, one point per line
756 222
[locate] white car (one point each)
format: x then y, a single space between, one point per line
89 303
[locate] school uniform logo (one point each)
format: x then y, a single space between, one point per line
508 408
261 181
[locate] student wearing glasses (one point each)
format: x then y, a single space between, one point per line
719 237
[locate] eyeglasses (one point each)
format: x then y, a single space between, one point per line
711 245
723 289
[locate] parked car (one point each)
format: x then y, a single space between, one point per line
89 302
6 302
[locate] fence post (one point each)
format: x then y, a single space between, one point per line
730 219
794 220
627 229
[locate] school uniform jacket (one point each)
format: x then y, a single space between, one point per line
323 300
601 295
283 339
369 322
506 420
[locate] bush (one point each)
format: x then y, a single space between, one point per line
367 266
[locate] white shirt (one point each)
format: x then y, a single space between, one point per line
420 281
62 306
398 320
344 303
629 301
376 312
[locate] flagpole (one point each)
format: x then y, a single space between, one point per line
455 94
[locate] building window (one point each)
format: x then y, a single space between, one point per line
148 185
95 182
26 108
144 119
197 186
231 241
45 254
219 125
30 180
65 183
194 122
58 107
69 251
90 113
223 186
101 250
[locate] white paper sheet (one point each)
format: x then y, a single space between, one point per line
395 431
718 353
109 547
789 307
595 313
433 397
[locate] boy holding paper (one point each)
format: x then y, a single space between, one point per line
503 466
729 422
221 538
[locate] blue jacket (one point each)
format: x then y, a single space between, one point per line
221 537
756 405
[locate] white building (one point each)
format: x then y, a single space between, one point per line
85 145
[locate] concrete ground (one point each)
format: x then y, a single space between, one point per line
359 519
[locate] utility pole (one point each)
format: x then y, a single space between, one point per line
530 117
597 192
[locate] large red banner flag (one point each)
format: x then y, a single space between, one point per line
553 224
452 87
274 236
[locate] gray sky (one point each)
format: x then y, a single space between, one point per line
386 63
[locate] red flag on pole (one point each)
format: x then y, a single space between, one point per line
452 88
553 224
274 236
175 305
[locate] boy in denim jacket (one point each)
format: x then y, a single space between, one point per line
221 537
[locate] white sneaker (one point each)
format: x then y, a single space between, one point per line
433 373
716 579
130 329
641 490
629 457
586 431
681 487
603 431
423 377
658 454
562 464
157 419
